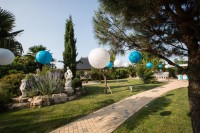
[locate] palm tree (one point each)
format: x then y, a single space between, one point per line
7 40
34 49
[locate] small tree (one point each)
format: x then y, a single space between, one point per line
69 54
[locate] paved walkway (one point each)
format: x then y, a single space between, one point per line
107 119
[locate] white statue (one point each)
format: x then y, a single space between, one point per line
37 71
22 88
68 74
68 83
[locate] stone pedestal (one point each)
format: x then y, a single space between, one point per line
69 90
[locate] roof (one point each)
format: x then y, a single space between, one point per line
83 64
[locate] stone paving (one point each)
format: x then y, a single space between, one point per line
107 119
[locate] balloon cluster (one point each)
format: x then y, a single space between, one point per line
100 58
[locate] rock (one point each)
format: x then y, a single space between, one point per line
18 105
78 89
37 101
69 90
30 99
20 99
48 102
59 98
78 93
72 97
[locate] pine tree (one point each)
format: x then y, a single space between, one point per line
69 54
162 28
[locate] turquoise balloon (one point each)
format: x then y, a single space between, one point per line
135 57
109 65
160 66
149 65
43 57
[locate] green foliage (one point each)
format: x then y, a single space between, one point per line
12 83
4 94
46 84
76 82
132 71
21 64
69 54
145 74
121 73
30 85
34 49
7 21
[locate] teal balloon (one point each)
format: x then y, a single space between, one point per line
149 65
43 57
109 65
135 57
160 66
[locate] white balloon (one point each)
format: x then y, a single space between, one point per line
117 63
6 56
125 64
99 58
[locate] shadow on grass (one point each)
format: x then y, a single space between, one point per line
24 125
117 81
137 87
105 102
170 94
152 108
165 113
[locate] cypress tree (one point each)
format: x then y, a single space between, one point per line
69 54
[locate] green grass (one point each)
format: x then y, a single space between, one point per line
48 118
167 114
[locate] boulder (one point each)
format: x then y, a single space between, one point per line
40 101
59 98
18 105
72 97
20 99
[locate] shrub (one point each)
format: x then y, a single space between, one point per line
12 83
145 74
4 94
122 73
76 82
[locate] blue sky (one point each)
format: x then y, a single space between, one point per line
43 22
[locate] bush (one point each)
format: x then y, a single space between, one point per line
145 74
12 83
76 82
4 94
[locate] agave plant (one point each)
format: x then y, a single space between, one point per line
47 84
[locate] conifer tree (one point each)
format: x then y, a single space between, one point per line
69 54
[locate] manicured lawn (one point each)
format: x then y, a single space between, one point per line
167 114
46 119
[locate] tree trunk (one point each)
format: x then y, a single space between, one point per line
194 89
106 84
